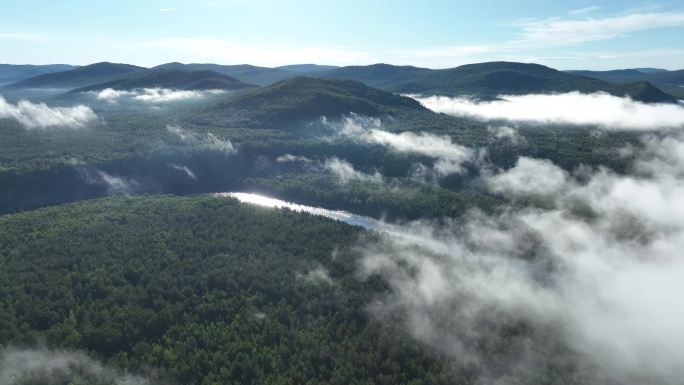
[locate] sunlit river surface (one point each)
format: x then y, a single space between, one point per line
343 216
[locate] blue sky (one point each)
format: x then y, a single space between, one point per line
437 34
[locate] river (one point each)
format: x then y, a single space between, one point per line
343 216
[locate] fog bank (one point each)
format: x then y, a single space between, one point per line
574 108
40 115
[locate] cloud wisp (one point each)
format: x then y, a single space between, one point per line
40 115
184 169
151 95
45 365
557 31
572 108
449 157
593 279
206 141
344 171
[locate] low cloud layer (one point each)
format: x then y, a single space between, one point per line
40 115
151 95
574 108
449 157
594 274
346 172
206 141
340 168
58 366
184 169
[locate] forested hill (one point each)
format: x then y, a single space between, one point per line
303 99
671 82
376 75
246 73
494 78
199 291
173 79
78 77
490 79
10 73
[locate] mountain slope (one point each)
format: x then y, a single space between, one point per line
377 75
671 82
621 76
243 72
487 80
174 79
10 73
137 280
79 77
304 99
307 68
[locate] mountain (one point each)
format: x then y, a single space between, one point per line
78 77
381 75
10 73
671 82
620 76
246 73
487 80
305 99
174 79
649 70
307 68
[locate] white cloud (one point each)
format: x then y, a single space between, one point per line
346 172
505 132
206 141
342 169
20 36
228 51
167 10
316 276
585 10
116 185
184 169
285 158
152 95
607 111
597 271
63 366
39 115
530 177
449 156
569 31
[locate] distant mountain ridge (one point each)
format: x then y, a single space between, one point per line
11 73
304 99
490 79
243 72
384 76
669 81
307 68
481 80
79 76
173 79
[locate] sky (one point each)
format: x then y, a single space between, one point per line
572 34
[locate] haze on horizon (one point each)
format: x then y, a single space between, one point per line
438 34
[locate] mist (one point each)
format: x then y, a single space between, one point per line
151 95
593 269
207 141
340 168
449 157
40 115
46 366
574 108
